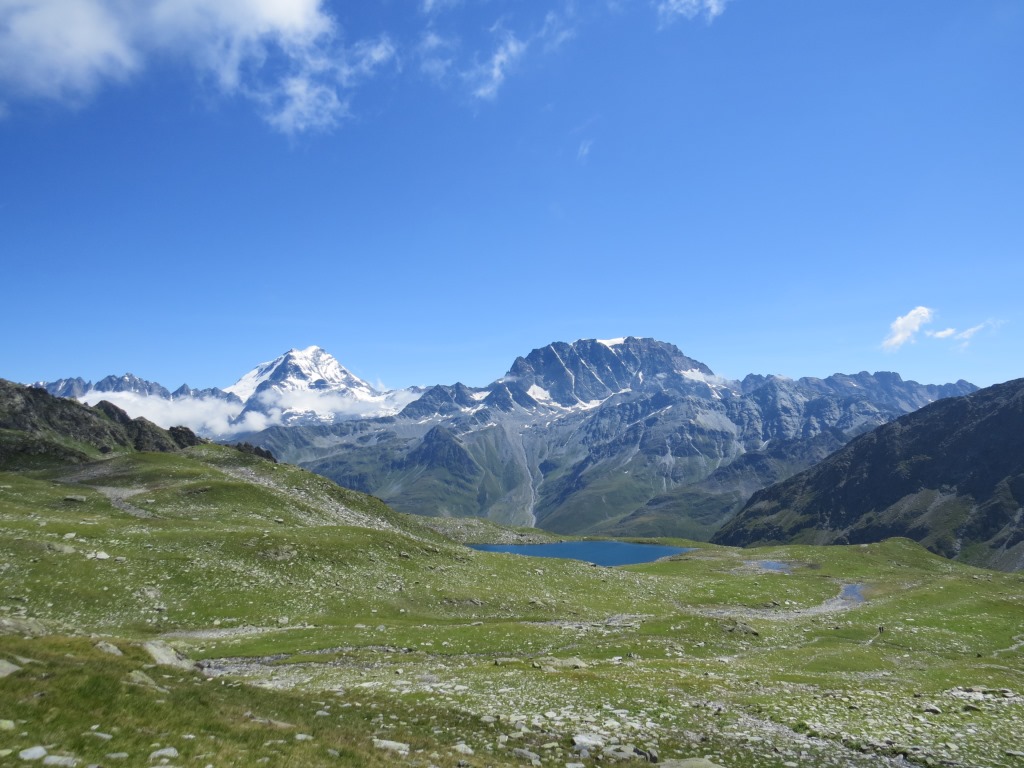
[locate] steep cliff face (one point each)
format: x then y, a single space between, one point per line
623 436
950 476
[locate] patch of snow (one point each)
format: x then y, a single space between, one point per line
612 342
481 395
539 394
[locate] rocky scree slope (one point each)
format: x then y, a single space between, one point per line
625 436
950 476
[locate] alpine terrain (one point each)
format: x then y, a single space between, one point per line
621 436
302 386
950 476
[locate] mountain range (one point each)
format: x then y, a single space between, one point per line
302 386
618 436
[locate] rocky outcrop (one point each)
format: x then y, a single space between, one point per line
38 427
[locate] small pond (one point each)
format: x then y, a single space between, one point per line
598 552
776 566
852 593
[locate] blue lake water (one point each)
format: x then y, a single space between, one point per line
852 593
599 552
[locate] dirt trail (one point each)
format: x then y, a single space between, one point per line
849 597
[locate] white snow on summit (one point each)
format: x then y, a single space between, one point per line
301 369
612 342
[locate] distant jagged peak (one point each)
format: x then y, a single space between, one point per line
590 370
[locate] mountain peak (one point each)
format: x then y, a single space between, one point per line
311 368
588 370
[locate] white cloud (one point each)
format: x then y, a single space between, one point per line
209 416
670 10
436 54
432 6
364 59
488 77
301 104
943 334
584 151
63 49
288 57
215 417
903 329
556 31
284 55
966 335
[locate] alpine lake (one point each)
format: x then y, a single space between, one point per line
606 553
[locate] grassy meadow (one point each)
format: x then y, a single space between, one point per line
327 629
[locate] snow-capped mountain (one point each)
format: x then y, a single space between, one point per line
616 436
309 386
623 436
301 369
301 387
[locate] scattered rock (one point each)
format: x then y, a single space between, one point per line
691 762
33 753
525 754
392 746
138 677
587 741
76 499
168 752
279 724
6 668
62 761
110 648
553 663
6 725
166 656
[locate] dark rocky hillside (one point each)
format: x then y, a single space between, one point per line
950 476
36 427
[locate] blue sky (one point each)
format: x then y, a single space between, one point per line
430 188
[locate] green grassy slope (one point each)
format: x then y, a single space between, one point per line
349 622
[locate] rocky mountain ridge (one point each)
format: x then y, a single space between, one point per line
950 476
612 437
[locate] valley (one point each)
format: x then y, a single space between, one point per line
312 625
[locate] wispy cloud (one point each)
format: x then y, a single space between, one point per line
364 59
557 30
671 10
301 104
290 58
584 150
436 55
488 77
434 6
904 328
